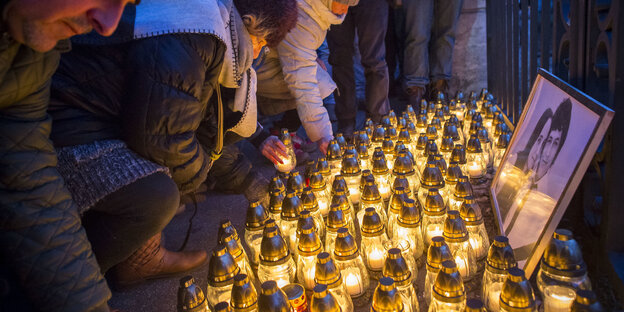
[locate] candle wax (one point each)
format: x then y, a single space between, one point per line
376 259
308 276
476 244
353 283
474 170
462 266
558 298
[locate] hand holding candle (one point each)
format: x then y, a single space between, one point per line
274 150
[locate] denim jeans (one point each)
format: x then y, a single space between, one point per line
430 37
370 20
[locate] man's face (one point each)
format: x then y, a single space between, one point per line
534 153
551 146
40 24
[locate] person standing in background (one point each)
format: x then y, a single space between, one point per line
369 19
430 38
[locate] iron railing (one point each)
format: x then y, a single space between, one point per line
581 42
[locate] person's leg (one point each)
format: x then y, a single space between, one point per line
418 24
371 22
124 220
340 40
391 48
233 173
446 14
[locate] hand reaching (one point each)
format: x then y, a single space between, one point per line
273 149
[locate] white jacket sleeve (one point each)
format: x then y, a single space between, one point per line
297 54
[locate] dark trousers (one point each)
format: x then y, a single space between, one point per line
121 222
370 20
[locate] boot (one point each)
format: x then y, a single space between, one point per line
414 95
437 86
153 261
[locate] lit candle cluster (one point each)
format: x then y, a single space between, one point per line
397 193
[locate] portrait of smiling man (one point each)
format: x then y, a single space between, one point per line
46 261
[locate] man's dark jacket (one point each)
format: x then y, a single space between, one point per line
43 246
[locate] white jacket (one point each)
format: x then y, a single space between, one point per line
290 70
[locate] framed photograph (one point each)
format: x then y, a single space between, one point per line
553 144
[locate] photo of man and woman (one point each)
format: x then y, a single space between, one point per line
551 138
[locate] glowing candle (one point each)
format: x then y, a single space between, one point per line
474 169
281 282
354 286
434 230
461 266
475 243
376 259
558 298
494 296
308 278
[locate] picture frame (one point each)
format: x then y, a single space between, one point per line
550 150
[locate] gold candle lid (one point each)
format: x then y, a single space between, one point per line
350 165
256 216
327 272
421 143
386 298
285 137
342 142
474 145
396 201
463 188
369 122
323 300
563 256
367 176
453 172
409 216
437 253
275 203
340 198
308 200
244 296
435 121
400 147
379 164
222 307
335 218
499 127
396 268
421 120
363 138
517 293
370 193
404 136
438 159
391 133
459 154
432 176
434 203
309 242
450 130
482 135
304 218
371 223
431 148
403 164
470 211
316 180
432 132
459 96
309 169
323 166
276 185
586 301
500 256
362 150
503 141
233 246
272 298
474 305
273 248
401 181
225 226
190 296
295 182
447 144
339 184
387 146
221 268
333 150
291 206
379 134
345 248
448 286
477 117
454 228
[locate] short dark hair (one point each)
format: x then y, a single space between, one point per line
271 19
561 122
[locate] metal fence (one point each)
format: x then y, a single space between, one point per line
581 42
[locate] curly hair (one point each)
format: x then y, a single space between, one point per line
269 19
